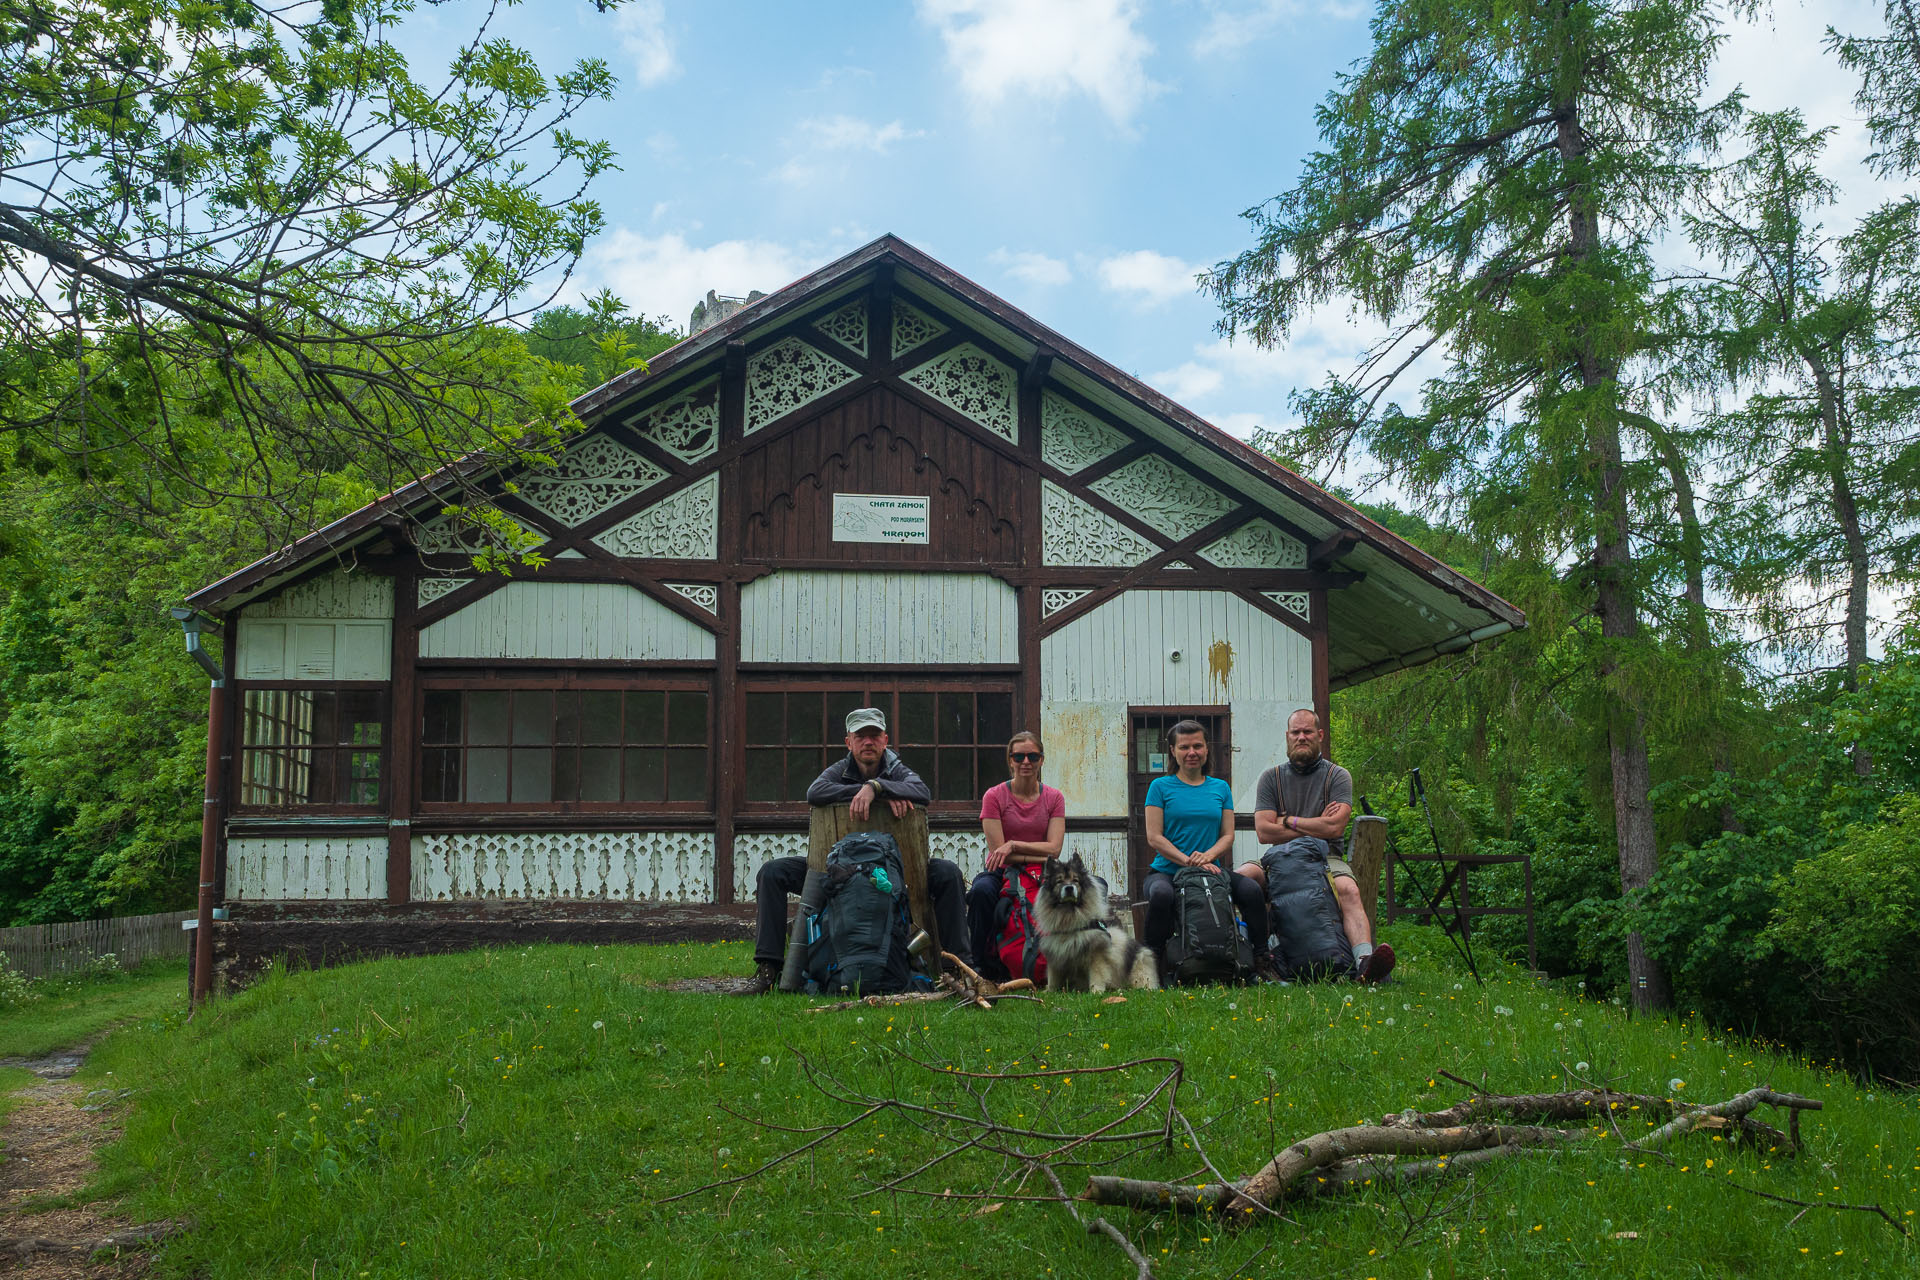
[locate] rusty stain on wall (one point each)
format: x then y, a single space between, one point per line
1220 662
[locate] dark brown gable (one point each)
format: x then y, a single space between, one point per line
881 443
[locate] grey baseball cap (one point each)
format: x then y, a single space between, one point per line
866 718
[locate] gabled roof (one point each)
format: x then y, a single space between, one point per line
1408 608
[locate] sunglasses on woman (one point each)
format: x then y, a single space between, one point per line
1024 757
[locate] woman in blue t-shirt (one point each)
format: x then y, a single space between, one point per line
1190 824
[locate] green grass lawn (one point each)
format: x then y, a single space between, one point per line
73 1012
524 1112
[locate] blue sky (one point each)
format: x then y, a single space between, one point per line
1082 158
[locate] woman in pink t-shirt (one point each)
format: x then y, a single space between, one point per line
1025 822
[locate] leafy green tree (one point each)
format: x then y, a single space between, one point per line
598 342
1889 69
255 211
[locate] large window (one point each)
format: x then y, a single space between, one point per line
570 746
954 736
307 747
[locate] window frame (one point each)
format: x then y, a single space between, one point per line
507 681
237 775
891 686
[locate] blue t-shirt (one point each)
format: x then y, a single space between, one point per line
1189 815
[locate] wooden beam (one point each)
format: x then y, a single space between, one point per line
1331 548
403 724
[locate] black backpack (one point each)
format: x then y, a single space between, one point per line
1309 941
857 941
1207 945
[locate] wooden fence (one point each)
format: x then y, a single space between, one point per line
38 950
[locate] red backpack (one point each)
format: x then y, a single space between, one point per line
1019 941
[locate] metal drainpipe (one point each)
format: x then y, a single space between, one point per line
191 624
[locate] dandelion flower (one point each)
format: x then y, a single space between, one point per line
1676 1084
599 1025
1580 1066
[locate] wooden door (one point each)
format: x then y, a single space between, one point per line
1148 757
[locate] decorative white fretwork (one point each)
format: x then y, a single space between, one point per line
1054 599
1164 496
754 850
847 326
1292 602
1178 564
430 589
1257 545
787 375
684 525
911 328
654 866
687 426
968 379
446 536
1074 533
306 868
589 477
704 594
1072 440
966 848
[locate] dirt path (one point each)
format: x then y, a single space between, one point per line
50 1137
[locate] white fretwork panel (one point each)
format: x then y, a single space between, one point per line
756 850
446 536
1072 440
626 866
969 380
785 376
847 326
1257 545
1292 601
1178 564
333 595
313 649
1074 533
967 848
687 426
1156 491
427 590
912 328
704 594
1054 599
586 621
811 616
684 525
592 475
307 868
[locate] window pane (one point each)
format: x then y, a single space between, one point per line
487 718
916 718
687 718
439 775
599 774
532 774
566 716
647 717
487 775
443 716
996 718
956 775
363 774
806 717
687 774
764 719
532 718
993 766
956 718
645 774
318 714
566 774
838 705
803 766
764 775
600 717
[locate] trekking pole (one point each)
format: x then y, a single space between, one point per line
1418 790
1406 868
813 896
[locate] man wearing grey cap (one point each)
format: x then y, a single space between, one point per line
870 772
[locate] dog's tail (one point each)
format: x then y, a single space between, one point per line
1142 967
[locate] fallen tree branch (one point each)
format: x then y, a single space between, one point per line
1143 1269
1341 1176
1581 1103
1732 1109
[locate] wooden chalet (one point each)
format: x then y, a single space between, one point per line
881 485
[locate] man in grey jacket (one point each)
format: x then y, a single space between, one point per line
870 772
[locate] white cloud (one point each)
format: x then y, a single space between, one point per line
821 147
1232 27
1052 50
1034 268
665 275
642 25
1152 277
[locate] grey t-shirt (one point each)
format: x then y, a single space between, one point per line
1286 790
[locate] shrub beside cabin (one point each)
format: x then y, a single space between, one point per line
881 485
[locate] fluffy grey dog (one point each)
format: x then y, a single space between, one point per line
1085 949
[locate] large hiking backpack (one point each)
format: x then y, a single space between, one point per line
1309 942
857 941
1207 945
1019 940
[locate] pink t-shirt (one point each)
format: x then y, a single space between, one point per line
1023 821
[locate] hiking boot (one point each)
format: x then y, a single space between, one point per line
1264 971
1376 967
766 977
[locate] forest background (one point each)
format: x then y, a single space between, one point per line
1633 382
